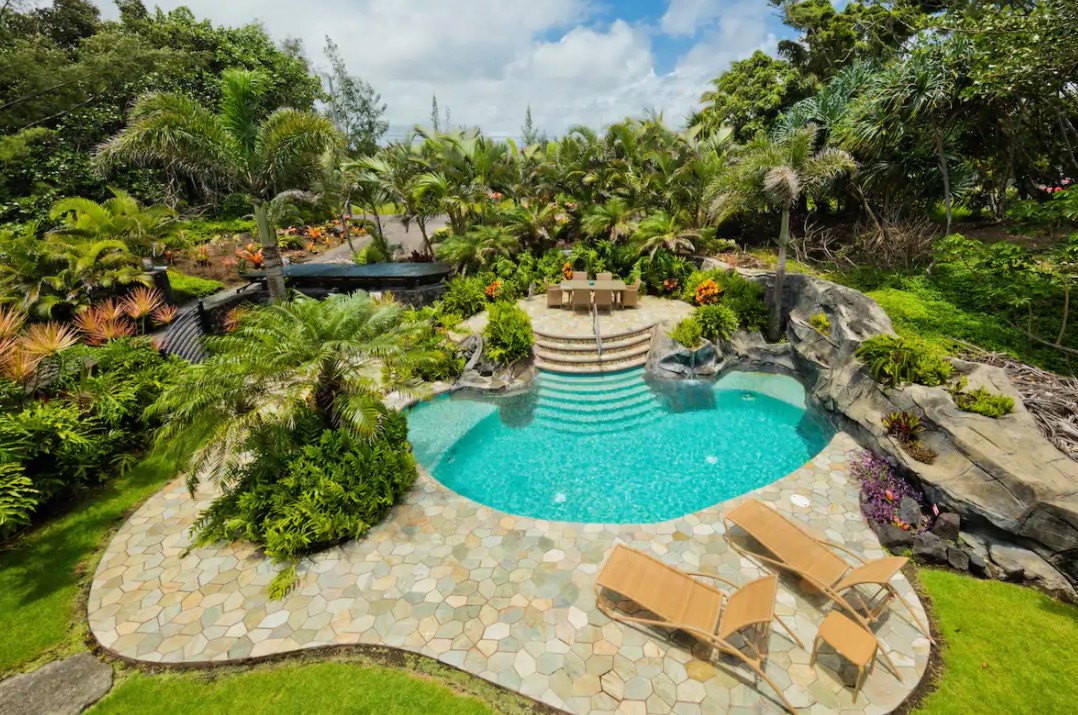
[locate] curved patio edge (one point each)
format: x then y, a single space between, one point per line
504 598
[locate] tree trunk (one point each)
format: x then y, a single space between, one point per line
942 156
422 223
271 256
347 211
774 326
1066 311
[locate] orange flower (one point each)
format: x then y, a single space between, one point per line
493 288
567 270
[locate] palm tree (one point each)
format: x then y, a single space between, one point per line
533 223
235 150
82 267
120 218
774 174
613 220
336 358
919 97
479 246
661 230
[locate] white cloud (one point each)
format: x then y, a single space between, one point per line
488 60
684 17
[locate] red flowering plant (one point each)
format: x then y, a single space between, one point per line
707 292
882 490
493 289
670 285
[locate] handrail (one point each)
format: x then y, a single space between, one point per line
595 327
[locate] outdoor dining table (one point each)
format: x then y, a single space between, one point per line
614 285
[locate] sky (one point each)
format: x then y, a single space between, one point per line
588 62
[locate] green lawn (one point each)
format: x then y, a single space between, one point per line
324 688
39 574
1008 649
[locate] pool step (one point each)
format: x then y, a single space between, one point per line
580 355
593 407
599 428
568 393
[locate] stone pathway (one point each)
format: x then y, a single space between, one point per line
506 598
64 687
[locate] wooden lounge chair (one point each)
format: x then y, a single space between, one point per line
604 299
555 297
580 275
581 299
604 276
794 548
673 599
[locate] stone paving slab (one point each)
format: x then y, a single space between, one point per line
506 598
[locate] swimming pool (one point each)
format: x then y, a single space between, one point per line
617 448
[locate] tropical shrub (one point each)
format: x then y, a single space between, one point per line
981 401
707 292
185 287
508 333
717 321
18 498
464 296
310 487
820 323
84 426
688 333
746 299
896 361
882 490
716 278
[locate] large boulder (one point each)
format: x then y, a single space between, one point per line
998 475
669 359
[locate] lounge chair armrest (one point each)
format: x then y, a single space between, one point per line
713 577
843 549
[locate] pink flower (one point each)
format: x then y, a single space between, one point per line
935 510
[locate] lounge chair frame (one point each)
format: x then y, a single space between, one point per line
866 573
755 635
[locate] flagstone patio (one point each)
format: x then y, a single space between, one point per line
506 598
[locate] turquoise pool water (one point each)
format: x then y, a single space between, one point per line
617 448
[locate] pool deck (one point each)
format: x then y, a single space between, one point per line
506 598
563 322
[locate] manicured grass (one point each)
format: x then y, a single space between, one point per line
1008 649
185 287
324 688
39 573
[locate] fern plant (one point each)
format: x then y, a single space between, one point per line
894 361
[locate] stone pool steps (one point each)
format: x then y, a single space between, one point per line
594 427
562 403
597 404
580 354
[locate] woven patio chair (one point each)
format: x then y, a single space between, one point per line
674 599
793 547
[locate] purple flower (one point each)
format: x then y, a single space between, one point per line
883 488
